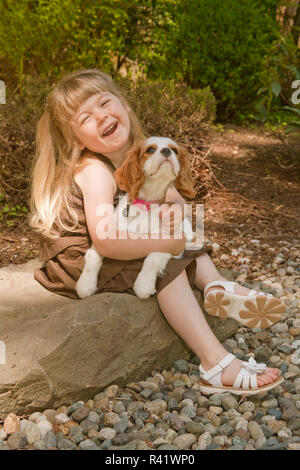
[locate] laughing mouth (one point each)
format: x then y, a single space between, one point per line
110 130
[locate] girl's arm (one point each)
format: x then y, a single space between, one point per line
172 215
98 188
174 196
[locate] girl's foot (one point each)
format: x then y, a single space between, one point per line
229 374
235 376
251 308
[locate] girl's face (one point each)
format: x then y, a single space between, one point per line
102 125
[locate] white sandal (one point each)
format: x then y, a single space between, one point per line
245 382
256 309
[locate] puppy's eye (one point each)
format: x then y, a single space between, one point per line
175 150
151 150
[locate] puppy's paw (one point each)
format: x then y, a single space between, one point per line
85 287
179 256
190 236
144 288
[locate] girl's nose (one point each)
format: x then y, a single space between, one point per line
100 115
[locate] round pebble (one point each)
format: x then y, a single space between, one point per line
80 414
195 428
17 440
3 434
61 418
204 440
181 366
255 430
295 358
107 433
32 433
229 402
44 426
184 441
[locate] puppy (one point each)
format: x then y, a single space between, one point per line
149 169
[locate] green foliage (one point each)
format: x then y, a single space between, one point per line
49 38
220 43
295 123
166 107
216 43
9 214
18 120
274 104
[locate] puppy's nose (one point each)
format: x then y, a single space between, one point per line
166 152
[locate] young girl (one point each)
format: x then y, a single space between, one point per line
82 137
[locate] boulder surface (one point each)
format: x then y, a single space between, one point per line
55 351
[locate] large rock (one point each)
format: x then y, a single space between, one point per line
57 350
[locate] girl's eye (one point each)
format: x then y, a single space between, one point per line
151 150
105 102
84 119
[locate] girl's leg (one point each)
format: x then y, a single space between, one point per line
183 313
207 272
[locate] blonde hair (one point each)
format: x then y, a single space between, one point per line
57 150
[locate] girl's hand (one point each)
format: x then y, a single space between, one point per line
171 217
178 246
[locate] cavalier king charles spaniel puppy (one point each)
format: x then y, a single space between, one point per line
150 168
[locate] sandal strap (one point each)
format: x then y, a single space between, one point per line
247 376
247 381
213 375
256 292
228 286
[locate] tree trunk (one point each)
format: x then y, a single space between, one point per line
288 17
296 32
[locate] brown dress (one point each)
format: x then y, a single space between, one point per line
63 258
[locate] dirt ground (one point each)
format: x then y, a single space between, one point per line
257 197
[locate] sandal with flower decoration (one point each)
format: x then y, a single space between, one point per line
245 382
256 309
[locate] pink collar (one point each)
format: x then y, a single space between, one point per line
145 205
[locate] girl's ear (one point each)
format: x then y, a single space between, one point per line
130 176
81 146
184 181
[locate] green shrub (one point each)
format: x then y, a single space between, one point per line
18 119
50 38
220 43
216 43
169 108
275 93
9 214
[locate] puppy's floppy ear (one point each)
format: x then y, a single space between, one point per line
184 181
130 176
